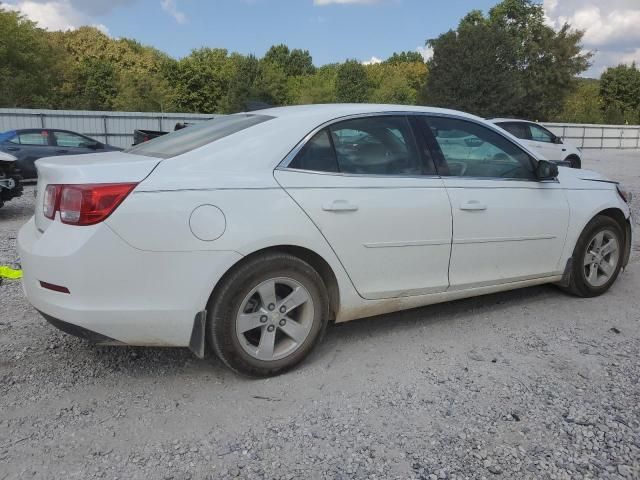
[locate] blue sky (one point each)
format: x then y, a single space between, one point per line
331 33
332 30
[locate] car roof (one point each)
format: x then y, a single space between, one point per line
510 120
337 110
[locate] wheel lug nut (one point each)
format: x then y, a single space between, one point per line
283 309
271 306
283 322
271 328
263 319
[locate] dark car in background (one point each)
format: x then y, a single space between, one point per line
28 145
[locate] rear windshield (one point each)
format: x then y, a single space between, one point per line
7 135
194 136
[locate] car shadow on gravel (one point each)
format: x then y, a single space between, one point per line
155 362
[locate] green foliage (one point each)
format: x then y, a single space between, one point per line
28 62
620 92
584 105
404 57
505 63
509 63
352 85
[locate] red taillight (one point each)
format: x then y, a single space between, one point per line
84 204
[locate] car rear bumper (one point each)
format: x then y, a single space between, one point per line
116 293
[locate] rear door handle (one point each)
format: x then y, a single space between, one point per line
473 205
339 206
62 151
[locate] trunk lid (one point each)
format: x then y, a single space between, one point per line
108 167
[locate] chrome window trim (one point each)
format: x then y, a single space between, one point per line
284 164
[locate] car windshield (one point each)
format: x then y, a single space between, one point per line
195 136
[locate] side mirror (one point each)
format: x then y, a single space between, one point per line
93 145
546 170
557 140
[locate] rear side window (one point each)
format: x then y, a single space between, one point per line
382 145
32 138
195 136
519 130
317 155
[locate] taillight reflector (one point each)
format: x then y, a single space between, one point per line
55 288
84 204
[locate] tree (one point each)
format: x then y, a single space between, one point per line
293 62
29 67
404 57
507 63
397 83
620 92
317 88
471 70
352 85
201 80
584 105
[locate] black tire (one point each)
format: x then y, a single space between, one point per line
574 161
578 282
225 303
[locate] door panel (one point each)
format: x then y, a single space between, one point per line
507 226
392 234
519 231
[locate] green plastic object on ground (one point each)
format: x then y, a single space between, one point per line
10 273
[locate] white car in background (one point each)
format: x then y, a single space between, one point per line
542 141
250 232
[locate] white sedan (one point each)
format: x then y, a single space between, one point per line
541 140
247 234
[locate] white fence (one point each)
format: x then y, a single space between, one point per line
114 128
597 136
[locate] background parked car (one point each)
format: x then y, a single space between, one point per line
542 140
28 145
10 181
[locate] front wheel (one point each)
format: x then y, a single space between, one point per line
574 161
597 257
267 315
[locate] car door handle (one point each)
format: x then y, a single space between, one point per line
339 206
13 149
62 151
473 205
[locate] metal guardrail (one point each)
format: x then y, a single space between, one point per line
114 128
598 136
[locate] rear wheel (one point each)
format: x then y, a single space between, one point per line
597 258
267 315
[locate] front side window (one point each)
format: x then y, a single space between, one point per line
540 134
67 139
195 136
472 150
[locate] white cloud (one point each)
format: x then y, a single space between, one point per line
65 14
171 8
372 61
611 28
426 52
322 3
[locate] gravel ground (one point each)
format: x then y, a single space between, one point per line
525 384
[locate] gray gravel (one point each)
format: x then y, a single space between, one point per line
525 384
